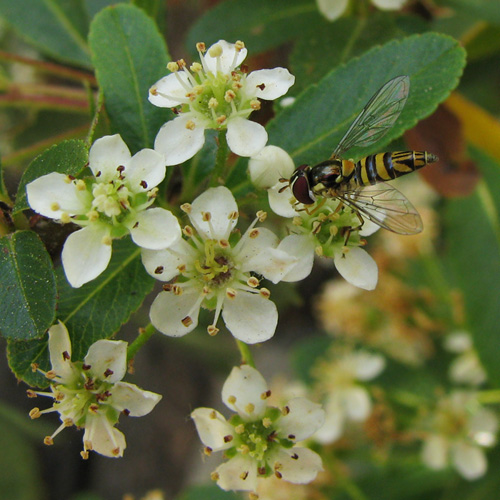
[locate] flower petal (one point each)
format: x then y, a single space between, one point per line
242 392
178 142
85 256
145 170
170 91
333 426
389 4
332 9
134 400
227 61
303 419
270 165
470 461
248 247
483 426
302 247
104 438
244 137
164 264
357 403
269 84
219 202
366 365
273 264
169 310
60 351
155 229
107 360
212 428
50 196
279 200
297 465
238 473
106 154
358 268
435 452
250 317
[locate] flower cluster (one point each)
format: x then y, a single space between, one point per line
90 394
333 9
259 440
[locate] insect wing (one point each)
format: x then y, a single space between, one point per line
385 206
377 117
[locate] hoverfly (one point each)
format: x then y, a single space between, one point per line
360 185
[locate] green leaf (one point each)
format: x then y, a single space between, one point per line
472 232
68 157
95 311
477 10
58 28
261 24
129 56
94 6
27 287
208 492
310 129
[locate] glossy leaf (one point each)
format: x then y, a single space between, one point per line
310 129
68 157
95 311
472 229
27 288
129 56
58 28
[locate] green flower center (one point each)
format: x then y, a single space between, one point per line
215 268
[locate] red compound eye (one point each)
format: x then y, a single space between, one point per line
301 189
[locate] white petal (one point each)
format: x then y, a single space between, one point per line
60 343
333 427
483 427
244 137
249 247
227 61
155 229
270 165
145 170
297 465
279 200
275 82
179 143
368 228
358 268
105 439
435 452
458 341
50 196
219 202
250 317
389 4
212 428
303 419
136 401
332 9
85 256
246 385
366 365
466 369
238 473
170 91
273 264
164 264
302 247
168 310
470 461
106 154
107 356
357 403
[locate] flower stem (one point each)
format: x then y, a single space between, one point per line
220 161
144 335
246 355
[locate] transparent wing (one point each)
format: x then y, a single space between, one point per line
385 206
377 117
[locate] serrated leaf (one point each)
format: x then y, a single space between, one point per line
95 311
129 55
58 28
68 157
472 232
261 24
27 287
310 129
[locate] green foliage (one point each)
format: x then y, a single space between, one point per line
58 28
310 129
28 287
472 236
68 157
208 492
129 56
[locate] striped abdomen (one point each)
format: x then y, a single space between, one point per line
386 166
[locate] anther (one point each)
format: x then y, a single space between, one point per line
181 63
267 422
171 66
190 125
187 321
231 399
239 429
253 282
153 91
264 292
261 86
228 438
35 413
80 185
215 50
196 67
261 215
186 208
84 454
250 408
319 251
254 233
266 395
31 393
107 240
244 475
51 374
201 47
206 216
233 215
55 206
108 372
188 231
214 476
48 440
207 450
115 452
159 270
239 46
230 293
66 355
212 330
285 410
221 119
143 184
213 103
255 104
224 243
229 95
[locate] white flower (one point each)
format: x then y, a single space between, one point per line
346 399
458 431
333 9
91 395
216 94
108 205
259 440
215 271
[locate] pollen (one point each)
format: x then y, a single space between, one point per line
229 96
213 103
190 125
267 422
84 454
239 429
255 104
221 119
171 66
